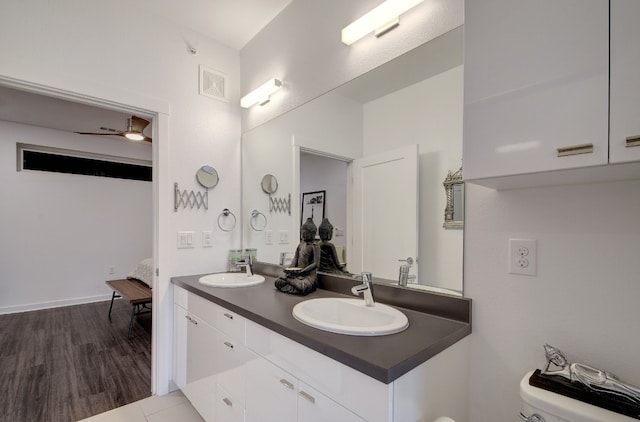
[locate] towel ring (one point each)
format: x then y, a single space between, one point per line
254 215
226 213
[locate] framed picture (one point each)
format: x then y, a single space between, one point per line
313 206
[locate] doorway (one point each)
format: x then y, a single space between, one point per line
157 112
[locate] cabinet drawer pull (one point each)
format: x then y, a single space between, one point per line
191 320
307 396
286 384
229 345
633 141
228 315
227 402
575 150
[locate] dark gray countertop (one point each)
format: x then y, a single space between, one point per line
384 358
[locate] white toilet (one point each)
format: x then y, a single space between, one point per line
552 407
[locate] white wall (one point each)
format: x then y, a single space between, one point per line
61 233
428 113
584 299
118 52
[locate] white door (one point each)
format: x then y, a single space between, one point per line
385 212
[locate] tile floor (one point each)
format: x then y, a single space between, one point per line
168 408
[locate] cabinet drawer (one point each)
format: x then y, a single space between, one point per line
230 323
231 359
222 319
363 395
228 408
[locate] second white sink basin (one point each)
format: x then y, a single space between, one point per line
350 316
231 280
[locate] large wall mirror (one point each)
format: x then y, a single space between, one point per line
410 107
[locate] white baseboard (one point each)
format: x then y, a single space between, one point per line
52 304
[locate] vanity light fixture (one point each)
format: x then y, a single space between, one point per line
380 20
261 94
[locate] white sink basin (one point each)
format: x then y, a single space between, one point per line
231 280
350 316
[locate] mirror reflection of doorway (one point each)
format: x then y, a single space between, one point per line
323 173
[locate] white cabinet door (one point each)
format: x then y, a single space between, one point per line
625 82
314 406
271 393
536 80
195 370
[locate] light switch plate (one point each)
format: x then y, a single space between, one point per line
268 237
185 240
284 236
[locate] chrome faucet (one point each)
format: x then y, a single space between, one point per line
247 264
403 276
366 288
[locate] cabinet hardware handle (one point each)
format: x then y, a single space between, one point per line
229 345
633 141
227 402
286 384
228 315
533 418
191 320
307 396
575 150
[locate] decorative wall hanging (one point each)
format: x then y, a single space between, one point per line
454 211
313 207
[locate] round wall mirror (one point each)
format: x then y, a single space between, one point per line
207 176
269 184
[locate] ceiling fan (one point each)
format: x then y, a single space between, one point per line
133 132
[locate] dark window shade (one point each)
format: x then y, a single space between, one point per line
33 160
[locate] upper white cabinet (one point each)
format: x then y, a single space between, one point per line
624 133
536 85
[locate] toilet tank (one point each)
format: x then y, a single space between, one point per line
554 407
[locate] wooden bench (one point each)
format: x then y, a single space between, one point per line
136 292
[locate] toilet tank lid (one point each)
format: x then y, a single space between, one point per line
566 407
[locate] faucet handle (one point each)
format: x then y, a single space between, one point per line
409 261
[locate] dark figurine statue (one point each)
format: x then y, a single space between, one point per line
301 278
329 261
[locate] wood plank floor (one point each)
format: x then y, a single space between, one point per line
66 364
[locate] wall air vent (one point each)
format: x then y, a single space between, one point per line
213 84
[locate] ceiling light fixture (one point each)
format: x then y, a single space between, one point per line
261 94
380 20
131 133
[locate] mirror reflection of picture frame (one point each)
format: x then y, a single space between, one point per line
454 190
313 206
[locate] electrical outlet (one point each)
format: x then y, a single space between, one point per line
112 269
523 256
284 236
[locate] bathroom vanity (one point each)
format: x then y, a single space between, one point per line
241 356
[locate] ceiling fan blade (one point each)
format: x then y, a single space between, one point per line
100 134
147 139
